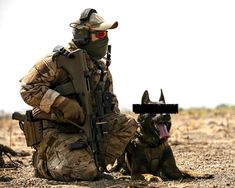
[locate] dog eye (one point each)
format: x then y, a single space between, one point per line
167 117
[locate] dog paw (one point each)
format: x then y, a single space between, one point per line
207 176
151 178
123 178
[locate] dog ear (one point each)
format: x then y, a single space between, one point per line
145 97
162 98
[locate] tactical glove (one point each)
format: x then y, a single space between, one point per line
69 108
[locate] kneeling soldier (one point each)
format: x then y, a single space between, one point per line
75 125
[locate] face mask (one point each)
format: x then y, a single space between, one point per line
97 49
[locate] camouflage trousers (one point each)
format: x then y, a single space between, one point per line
54 159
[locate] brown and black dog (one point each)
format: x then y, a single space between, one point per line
148 156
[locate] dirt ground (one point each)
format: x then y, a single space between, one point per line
202 140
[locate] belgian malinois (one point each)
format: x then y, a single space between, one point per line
148 155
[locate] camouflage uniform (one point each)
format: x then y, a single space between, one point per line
53 158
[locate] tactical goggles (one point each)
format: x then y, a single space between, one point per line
100 34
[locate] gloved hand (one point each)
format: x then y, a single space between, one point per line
70 109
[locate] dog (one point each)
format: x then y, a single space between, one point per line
148 155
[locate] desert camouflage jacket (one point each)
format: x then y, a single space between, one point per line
37 86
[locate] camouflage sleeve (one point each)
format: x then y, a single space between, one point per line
109 87
35 86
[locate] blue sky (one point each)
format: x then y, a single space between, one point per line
184 47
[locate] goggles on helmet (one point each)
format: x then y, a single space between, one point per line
100 34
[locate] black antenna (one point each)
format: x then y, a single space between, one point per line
108 60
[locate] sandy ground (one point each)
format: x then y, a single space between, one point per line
202 140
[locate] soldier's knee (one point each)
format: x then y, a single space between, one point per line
90 172
77 172
76 165
85 170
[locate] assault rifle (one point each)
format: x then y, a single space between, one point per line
74 63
